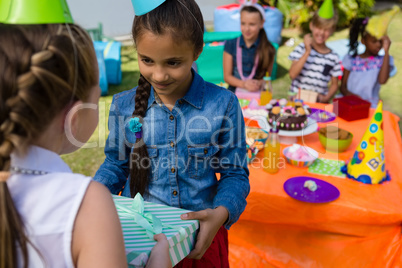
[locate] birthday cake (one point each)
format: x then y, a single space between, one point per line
287 117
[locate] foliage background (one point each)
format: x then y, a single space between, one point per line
297 14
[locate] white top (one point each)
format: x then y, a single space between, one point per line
317 71
48 205
363 76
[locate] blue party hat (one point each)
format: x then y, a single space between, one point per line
142 7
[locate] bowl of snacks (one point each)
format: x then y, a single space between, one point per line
300 156
256 136
335 139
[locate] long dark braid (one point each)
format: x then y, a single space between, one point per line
138 171
183 20
358 28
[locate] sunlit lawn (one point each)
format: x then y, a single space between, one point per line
88 160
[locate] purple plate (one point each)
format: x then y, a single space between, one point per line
325 192
321 116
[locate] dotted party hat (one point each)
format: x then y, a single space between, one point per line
368 162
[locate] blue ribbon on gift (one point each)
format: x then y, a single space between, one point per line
152 224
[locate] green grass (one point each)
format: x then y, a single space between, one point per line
88 160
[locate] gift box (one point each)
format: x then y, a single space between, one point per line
307 95
140 220
351 108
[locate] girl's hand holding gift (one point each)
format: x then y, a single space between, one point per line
211 221
160 253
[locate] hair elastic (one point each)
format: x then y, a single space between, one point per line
136 127
365 21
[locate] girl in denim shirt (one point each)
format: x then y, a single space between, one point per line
248 58
171 135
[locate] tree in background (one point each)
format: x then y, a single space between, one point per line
298 13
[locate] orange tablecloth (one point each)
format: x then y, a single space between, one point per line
362 228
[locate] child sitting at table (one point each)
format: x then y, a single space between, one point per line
365 73
248 58
171 135
49 81
314 64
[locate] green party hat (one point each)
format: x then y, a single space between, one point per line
326 10
34 12
4 6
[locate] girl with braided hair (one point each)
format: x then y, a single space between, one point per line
365 73
171 135
50 217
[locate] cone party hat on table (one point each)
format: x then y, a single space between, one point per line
326 10
34 12
142 7
377 25
368 162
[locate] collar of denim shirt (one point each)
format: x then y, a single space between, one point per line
243 43
194 96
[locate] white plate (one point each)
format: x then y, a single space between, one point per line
312 127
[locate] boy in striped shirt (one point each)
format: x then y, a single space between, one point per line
316 67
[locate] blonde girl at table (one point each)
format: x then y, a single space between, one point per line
171 135
248 58
51 217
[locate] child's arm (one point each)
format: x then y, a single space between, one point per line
251 85
210 222
97 239
159 257
385 68
297 65
333 88
344 88
114 171
345 77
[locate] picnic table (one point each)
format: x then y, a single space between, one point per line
362 228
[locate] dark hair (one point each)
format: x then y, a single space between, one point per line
265 50
358 28
38 68
183 20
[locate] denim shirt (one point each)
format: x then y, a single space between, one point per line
204 134
248 56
